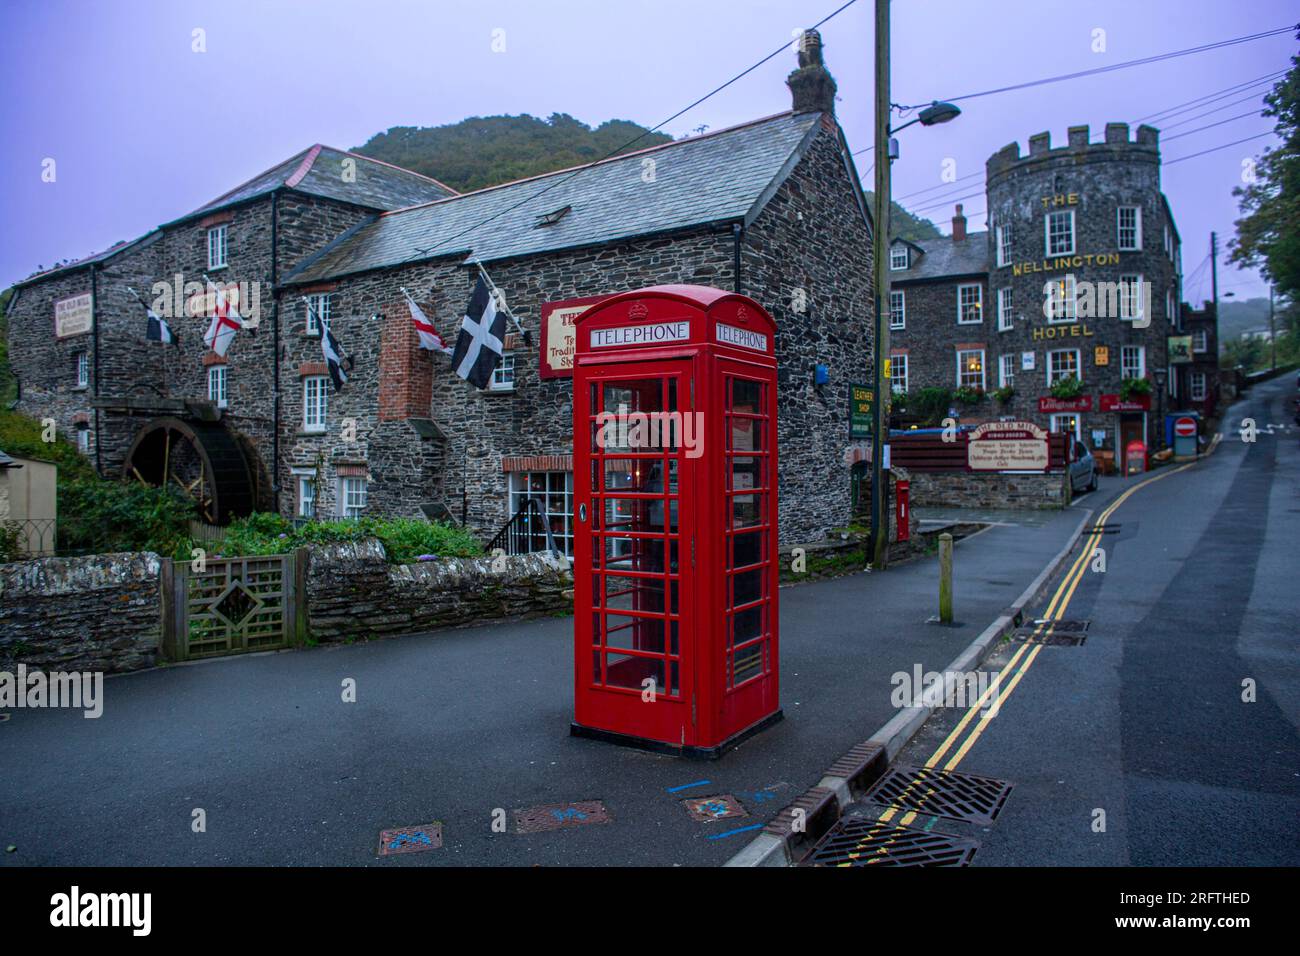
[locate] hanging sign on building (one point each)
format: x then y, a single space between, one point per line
1180 349
74 315
861 411
1113 403
1007 446
559 335
1051 405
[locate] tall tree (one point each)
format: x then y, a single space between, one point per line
1268 234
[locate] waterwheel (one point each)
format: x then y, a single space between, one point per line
201 459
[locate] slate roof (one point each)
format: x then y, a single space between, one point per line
318 171
944 258
102 256
727 175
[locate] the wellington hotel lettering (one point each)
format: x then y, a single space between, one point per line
1065 262
1073 330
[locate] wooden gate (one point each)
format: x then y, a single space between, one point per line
233 605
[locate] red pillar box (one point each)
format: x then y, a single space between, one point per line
675 542
902 508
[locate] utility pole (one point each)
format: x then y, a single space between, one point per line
880 267
1214 280
1272 329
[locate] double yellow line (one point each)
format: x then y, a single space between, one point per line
1020 662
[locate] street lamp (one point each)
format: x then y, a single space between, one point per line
933 115
1160 374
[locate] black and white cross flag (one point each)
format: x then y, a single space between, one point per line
334 359
159 330
482 337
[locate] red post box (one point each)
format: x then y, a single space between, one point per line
902 491
675 520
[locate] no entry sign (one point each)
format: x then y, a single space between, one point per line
1185 427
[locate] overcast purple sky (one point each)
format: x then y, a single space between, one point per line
143 129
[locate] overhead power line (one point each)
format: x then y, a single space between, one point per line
1180 108
941 185
1230 119
1165 127
1215 149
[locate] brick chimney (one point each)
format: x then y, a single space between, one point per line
811 86
958 225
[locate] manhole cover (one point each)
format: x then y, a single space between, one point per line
942 793
854 842
410 839
236 604
1056 633
556 816
721 807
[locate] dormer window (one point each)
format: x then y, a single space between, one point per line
551 218
900 258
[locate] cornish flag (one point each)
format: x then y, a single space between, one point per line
225 323
159 330
482 338
429 337
334 359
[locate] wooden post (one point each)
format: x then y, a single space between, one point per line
945 578
880 273
166 597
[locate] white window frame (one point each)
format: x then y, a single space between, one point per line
898 316
503 376
520 487
354 495
1171 377
1054 421
1068 301
315 403
1135 227
307 496
218 247
219 386
1125 366
1197 386
896 362
1053 376
1171 311
1200 340
1007 369
1003 234
83 369
978 303
319 310
1006 309
1047 232
961 368
83 440
1131 300
897 250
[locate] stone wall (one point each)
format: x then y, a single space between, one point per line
956 489
354 594
97 613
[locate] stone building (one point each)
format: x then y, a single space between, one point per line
771 208
1198 380
1078 278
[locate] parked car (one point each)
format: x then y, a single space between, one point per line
1083 468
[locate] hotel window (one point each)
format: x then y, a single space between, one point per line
898 373
1005 307
1130 298
217 247
1132 361
970 368
1200 341
970 304
1059 228
553 491
1062 299
318 312
1006 370
897 310
217 385
1063 363
352 497
83 369
306 496
1130 228
503 376
315 402
900 257
1004 245
1198 386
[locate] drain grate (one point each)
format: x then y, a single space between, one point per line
942 793
721 807
872 843
1055 633
556 816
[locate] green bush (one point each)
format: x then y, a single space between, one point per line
405 539
928 404
20 436
102 516
1067 387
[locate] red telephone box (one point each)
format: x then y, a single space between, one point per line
675 545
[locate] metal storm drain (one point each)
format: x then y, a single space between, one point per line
557 816
410 839
942 793
854 842
721 807
1055 633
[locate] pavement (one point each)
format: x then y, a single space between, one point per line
463 727
1169 737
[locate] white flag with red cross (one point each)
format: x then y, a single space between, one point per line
226 321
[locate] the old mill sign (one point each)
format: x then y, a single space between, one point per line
1007 446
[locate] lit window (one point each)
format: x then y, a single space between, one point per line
306 496
1198 386
897 310
1132 361
553 491
318 312
970 304
900 257
1004 245
1062 363
352 497
1129 225
898 373
503 376
216 247
83 369
1130 298
1060 232
217 385
1006 370
315 403
1066 423
1005 307
1062 299
970 368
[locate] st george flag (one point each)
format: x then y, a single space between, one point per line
334 360
225 323
429 337
482 337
